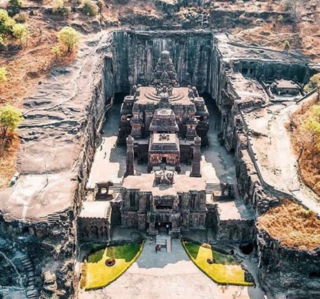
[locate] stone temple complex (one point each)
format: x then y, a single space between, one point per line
164 124
162 135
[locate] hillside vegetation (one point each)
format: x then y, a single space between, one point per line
292 226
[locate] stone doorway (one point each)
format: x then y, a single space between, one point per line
163 227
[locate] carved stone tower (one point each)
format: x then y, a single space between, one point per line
129 157
196 168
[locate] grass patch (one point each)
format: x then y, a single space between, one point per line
96 257
95 273
192 248
126 252
226 270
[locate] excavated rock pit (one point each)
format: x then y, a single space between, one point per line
62 127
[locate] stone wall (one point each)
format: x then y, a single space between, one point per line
135 56
49 243
49 248
288 272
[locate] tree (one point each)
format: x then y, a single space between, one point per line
89 8
3 75
59 8
20 32
15 3
10 118
313 83
69 38
6 23
312 125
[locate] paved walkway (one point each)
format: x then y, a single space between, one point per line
165 275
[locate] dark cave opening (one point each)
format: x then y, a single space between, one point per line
246 248
314 275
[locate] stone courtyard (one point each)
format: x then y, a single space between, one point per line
168 275
109 161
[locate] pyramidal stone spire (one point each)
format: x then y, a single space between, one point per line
165 73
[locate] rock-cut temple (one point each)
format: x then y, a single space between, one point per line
163 125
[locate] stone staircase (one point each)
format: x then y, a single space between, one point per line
32 292
53 218
164 241
116 187
212 187
161 240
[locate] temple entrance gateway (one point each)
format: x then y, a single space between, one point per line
163 227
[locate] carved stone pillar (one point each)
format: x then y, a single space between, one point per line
141 221
196 167
129 157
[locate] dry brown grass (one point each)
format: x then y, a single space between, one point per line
309 161
292 226
8 161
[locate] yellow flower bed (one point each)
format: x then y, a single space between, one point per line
98 275
220 273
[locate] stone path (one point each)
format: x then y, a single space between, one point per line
165 275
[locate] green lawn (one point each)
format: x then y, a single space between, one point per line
225 270
193 249
126 252
95 273
96 257
220 258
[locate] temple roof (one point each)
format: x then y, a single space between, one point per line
95 209
164 120
286 84
164 142
148 95
182 184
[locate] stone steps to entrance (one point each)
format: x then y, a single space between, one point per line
212 187
164 241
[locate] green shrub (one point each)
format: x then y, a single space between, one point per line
56 51
10 118
68 38
15 3
313 83
20 32
6 23
89 8
289 4
59 8
287 45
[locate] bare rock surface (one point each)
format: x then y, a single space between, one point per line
52 139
